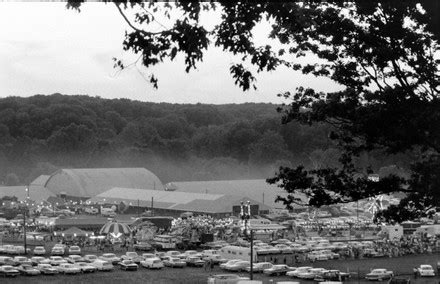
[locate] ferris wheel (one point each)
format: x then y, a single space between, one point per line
375 204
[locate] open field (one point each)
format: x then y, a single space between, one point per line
402 265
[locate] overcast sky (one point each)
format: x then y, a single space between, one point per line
46 48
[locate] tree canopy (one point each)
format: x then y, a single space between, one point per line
384 54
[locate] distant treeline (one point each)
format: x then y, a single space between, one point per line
40 134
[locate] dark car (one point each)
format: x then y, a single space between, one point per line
128 265
332 275
28 270
9 271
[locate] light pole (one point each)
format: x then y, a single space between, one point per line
24 230
245 215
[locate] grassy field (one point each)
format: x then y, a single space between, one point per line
400 266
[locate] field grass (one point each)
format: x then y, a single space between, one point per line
400 266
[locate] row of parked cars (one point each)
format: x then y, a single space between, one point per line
74 264
57 249
305 272
311 273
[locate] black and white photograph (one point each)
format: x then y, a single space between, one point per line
255 142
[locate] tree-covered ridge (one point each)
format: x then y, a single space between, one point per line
178 142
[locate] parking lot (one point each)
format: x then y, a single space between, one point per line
400 266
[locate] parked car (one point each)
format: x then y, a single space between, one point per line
425 270
311 273
57 250
128 264
110 257
194 261
9 271
279 269
102 265
85 267
74 258
226 279
173 253
47 269
68 268
238 266
90 258
316 255
174 262
19 260
332 275
27 269
75 250
259 267
152 263
379 274
57 260
295 272
39 259
149 255
7 260
229 262
39 251
131 255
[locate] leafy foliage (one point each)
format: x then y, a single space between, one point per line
384 54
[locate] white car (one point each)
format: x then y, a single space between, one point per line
238 266
131 255
57 260
379 274
425 270
85 267
110 257
229 262
57 250
74 258
298 270
39 260
90 258
20 260
259 267
28 270
311 273
47 269
67 268
75 250
152 263
39 251
102 265
317 255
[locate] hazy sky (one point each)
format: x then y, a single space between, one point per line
46 48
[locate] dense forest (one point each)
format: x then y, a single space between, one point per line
40 134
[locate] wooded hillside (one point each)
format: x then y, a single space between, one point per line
40 134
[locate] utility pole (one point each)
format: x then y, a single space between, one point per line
245 214
251 276
24 231
152 207
139 208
